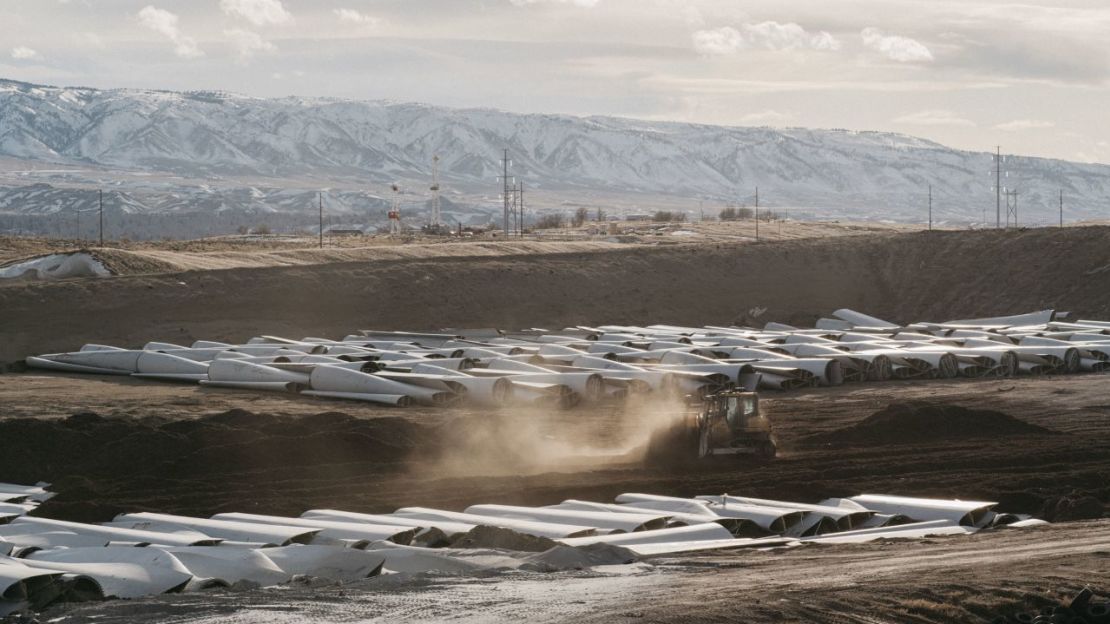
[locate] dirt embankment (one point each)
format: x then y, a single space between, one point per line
134 262
903 277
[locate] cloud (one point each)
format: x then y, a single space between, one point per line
767 117
589 4
687 9
257 12
934 118
901 49
165 23
247 43
1018 125
765 35
354 17
719 41
23 53
1057 60
92 40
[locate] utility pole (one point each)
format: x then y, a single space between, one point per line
437 216
506 190
522 209
101 193
1061 207
998 188
320 200
930 207
757 214
516 208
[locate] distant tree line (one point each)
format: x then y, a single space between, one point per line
732 213
743 213
669 216
557 220
551 221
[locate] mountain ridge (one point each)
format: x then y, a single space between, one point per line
228 137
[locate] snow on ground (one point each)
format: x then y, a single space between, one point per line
56 266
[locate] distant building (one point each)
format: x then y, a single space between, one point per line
343 232
637 217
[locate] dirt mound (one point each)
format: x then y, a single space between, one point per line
503 539
913 422
1076 507
563 557
122 262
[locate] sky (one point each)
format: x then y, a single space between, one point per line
1032 77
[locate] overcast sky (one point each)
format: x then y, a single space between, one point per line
1033 77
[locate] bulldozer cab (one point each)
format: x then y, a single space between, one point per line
731 423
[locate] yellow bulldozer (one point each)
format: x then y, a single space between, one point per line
727 423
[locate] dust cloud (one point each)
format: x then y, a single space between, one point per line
532 439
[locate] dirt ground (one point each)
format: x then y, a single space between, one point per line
114 444
1048 473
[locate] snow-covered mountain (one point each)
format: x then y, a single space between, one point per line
226 138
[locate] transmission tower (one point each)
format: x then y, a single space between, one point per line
437 216
1011 207
509 198
395 212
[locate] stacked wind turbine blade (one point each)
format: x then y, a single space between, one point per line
142 554
585 366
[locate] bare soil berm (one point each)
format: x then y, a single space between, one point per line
913 422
